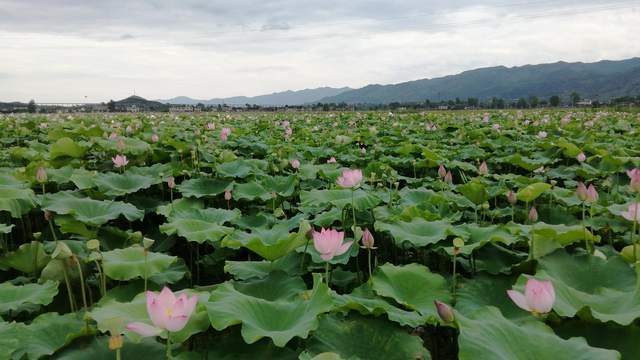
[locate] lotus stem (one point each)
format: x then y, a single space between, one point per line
103 283
169 356
72 305
369 259
326 273
454 279
84 294
353 210
118 355
584 230
304 254
145 270
635 243
533 228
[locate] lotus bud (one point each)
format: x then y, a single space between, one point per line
155 138
442 172
581 157
512 198
592 194
581 192
41 175
533 214
483 169
227 195
295 163
634 176
171 182
448 178
367 239
444 311
458 243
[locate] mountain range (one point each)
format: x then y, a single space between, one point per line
600 80
288 97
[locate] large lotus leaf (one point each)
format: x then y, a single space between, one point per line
45 334
251 191
532 191
89 211
114 184
376 339
476 236
230 346
271 243
418 232
8 341
474 191
486 334
110 314
278 307
485 290
338 198
201 187
624 339
66 147
548 237
200 225
241 168
179 205
17 201
132 146
366 302
608 288
281 185
412 286
244 270
131 263
6 229
26 297
83 179
98 349
28 258
526 163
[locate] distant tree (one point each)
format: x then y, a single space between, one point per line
522 103
31 106
575 97
219 107
472 102
427 104
534 101
111 106
554 100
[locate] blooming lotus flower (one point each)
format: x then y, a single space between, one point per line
444 311
442 171
171 182
332 160
542 134
512 198
581 192
592 194
285 124
224 134
120 161
41 175
155 138
367 240
227 195
634 176
496 127
538 297
295 163
166 311
329 243
288 132
350 178
632 213
533 214
581 157
113 136
211 126
483 169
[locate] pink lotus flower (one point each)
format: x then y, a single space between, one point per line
285 124
167 313
581 192
634 176
288 132
224 134
496 127
538 297
581 157
632 213
120 161
444 311
483 169
367 239
512 198
155 138
227 195
329 243
211 126
592 194
295 163
171 182
332 160
350 178
442 171
113 136
41 175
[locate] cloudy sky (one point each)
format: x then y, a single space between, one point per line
91 51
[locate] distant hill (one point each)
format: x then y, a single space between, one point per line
140 103
603 79
289 97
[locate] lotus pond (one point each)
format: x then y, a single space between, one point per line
450 235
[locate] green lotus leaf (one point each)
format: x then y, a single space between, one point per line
532 191
89 211
338 198
8 340
114 184
26 297
132 146
583 281
131 263
245 270
624 339
82 179
17 201
97 348
486 334
278 307
251 191
230 346
281 185
477 236
241 168
549 238
412 286
28 258
485 290
418 232
365 301
179 205
200 225
202 187
376 339
112 313
474 191
272 243
6 229
66 147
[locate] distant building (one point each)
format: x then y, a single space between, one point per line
443 107
182 108
584 103
133 108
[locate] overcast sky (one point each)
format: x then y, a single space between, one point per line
91 51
